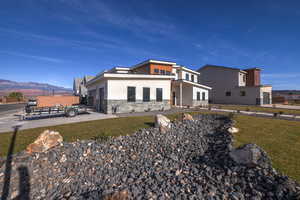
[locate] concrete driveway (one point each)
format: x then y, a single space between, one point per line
8 121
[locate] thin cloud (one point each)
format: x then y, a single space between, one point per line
42 58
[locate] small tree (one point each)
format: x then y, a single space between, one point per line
16 95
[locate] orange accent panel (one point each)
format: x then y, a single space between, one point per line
160 67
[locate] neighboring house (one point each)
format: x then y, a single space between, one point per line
235 86
150 85
79 87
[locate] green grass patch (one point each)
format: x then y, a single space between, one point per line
279 138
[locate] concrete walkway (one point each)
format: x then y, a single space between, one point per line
9 121
291 107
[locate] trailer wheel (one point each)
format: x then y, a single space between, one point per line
71 113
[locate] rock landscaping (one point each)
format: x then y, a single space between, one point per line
192 159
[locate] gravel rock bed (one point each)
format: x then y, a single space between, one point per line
191 161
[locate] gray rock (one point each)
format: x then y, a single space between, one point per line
250 155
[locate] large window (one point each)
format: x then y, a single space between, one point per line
203 96
192 78
146 94
131 94
187 77
198 96
159 94
163 72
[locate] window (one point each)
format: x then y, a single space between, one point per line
198 96
244 78
159 94
131 94
203 96
156 70
243 93
228 94
168 73
192 77
163 72
146 94
187 77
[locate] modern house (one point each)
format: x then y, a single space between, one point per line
235 86
79 87
150 85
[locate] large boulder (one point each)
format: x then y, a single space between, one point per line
233 130
186 116
162 122
45 141
250 155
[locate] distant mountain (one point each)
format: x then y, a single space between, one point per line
286 92
31 88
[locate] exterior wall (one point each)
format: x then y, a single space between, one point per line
144 69
242 79
220 81
160 67
149 68
201 102
117 95
189 95
122 106
94 93
253 77
268 90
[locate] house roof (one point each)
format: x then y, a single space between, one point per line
221 67
192 83
153 61
88 78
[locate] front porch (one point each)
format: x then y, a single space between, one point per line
189 94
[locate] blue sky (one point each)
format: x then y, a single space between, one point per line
54 41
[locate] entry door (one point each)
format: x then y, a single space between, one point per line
101 99
266 98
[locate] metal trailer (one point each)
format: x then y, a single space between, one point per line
32 111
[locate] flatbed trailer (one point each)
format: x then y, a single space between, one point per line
32 112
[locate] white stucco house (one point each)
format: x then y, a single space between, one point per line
235 86
150 85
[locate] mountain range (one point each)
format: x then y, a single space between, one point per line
31 88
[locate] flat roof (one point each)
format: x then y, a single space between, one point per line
221 67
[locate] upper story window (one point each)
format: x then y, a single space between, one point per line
187 77
228 94
131 94
168 73
243 93
192 78
244 77
156 70
163 72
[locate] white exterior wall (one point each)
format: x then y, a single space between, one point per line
182 73
196 89
117 89
242 78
